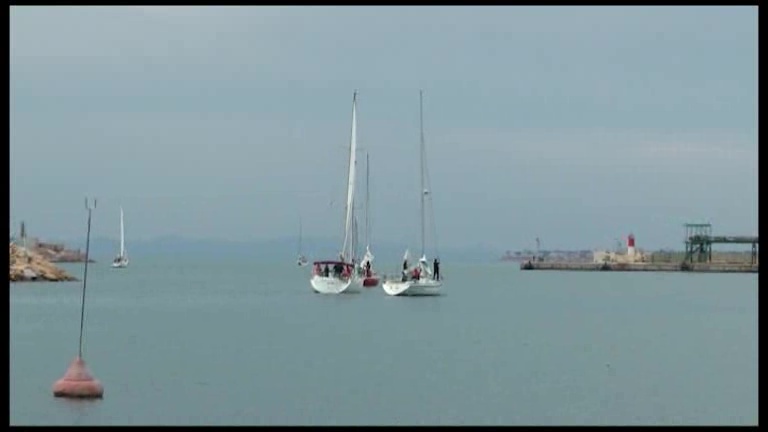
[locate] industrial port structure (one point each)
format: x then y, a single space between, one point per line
698 256
699 241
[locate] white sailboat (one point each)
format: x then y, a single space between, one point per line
341 277
419 279
301 261
369 277
121 260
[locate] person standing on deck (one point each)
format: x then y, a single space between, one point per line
416 273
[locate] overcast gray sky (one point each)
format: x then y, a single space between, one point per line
574 124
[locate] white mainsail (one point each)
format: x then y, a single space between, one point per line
121 261
368 257
347 252
344 278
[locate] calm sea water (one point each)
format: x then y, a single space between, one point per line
246 343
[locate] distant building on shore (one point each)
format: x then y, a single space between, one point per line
632 254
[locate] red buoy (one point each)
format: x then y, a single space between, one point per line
78 382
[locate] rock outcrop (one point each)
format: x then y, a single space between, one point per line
57 253
26 265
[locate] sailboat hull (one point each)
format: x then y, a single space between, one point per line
421 287
120 264
333 285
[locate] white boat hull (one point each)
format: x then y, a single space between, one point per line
421 287
120 264
333 285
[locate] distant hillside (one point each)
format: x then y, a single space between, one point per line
277 250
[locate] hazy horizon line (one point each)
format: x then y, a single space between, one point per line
326 240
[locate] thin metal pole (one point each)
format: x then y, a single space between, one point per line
299 253
367 193
85 275
421 142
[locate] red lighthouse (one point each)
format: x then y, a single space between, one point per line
631 245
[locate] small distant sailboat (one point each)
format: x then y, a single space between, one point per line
341 276
369 278
302 260
418 280
121 260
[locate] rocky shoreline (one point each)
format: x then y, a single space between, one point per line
26 265
56 252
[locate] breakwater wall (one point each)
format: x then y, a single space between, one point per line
653 267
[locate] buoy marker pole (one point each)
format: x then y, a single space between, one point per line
85 275
78 382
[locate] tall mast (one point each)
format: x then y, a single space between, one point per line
367 193
353 251
122 234
423 191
